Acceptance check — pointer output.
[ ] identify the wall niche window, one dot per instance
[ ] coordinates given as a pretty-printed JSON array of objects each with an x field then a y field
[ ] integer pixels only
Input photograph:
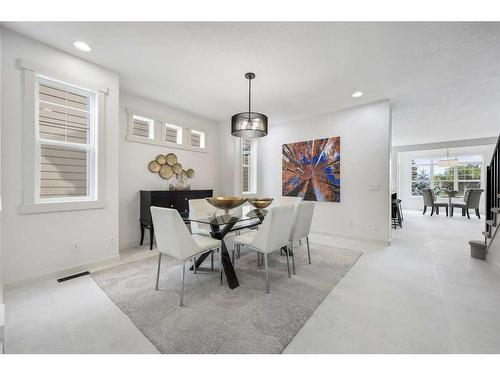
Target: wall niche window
[{"x": 153, "y": 129}]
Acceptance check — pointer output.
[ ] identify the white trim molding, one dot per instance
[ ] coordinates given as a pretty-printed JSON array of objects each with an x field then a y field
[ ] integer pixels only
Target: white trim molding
[
  {"x": 31, "y": 203},
  {"x": 37, "y": 208}
]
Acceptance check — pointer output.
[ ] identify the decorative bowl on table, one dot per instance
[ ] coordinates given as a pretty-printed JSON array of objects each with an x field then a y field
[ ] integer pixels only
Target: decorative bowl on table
[
  {"x": 226, "y": 203},
  {"x": 260, "y": 203}
]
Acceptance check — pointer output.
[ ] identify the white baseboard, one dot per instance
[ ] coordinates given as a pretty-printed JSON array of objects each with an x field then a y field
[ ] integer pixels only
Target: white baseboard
[{"x": 61, "y": 273}]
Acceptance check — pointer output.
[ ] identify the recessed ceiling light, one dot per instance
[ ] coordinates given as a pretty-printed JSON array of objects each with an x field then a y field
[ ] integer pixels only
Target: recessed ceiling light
[
  {"x": 357, "y": 94},
  {"x": 82, "y": 46}
]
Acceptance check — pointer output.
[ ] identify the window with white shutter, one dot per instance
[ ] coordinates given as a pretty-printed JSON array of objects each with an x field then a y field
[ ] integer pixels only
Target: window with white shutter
[
  {"x": 65, "y": 141},
  {"x": 248, "y": 166},
  {"x": 197, "y": 139},
  {"x": 143, "y": 127},
  {"x": 173, "y": 134}
]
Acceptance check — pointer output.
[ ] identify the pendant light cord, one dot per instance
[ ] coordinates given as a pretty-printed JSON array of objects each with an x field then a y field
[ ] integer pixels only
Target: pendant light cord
[{"x": 249, "y": 96}]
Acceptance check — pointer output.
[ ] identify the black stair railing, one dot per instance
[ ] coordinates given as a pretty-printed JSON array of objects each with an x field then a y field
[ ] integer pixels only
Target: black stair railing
[{"x": 492, "y": 182}]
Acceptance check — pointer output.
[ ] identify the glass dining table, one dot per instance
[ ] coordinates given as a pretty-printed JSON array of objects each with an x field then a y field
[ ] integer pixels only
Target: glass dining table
[{"x": 221, "y": 225}]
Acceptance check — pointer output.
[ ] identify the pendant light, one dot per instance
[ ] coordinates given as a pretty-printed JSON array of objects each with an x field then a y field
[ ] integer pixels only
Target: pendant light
[
  {"x": 446, "y": 163},
  {"x": 249, "y": 124}
]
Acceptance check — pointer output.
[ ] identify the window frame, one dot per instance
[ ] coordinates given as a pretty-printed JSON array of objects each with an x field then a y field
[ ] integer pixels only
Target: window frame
[
  {"x": 90, "y": 147},
  {"x": 160, "y": 124},
  {"x": 32, "y": 202},
  {"x": 252, "y": 166}
]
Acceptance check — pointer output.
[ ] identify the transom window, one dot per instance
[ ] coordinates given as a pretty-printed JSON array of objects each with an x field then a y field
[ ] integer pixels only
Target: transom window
[
  {"x": 426, "y": 173},
  {"x": 65, "y": 142}
]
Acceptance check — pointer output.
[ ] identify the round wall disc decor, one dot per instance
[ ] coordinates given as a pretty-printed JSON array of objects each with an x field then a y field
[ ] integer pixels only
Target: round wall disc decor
[
  {"x": 166, "y": 171},
  {"x": 184, "y": 175},
  {"x": 161, "y": 159},
  {"x": 190, "y": 172},
  {"x": 171, "y": 159},
  {"x": 177, "y": 168},
  {"x": 154, "y": 167}
]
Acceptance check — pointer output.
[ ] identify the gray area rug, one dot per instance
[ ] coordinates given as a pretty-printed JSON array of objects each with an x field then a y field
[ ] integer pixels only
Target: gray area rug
[{"x": 216, "y": 319}]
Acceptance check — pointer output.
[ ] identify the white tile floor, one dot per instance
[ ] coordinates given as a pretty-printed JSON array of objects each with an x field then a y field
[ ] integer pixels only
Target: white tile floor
[{"x": 423, "y": 294}]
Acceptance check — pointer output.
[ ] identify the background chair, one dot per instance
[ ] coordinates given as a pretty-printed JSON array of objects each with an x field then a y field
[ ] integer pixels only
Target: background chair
[
  {"x": 285, "y": 201},
  {"x": 471, "y": 200},
  {"x": 174, "y": 239},
  {"x": 303, "y": 215},
  {"x": 430, "y": 201},
  {"x": 273, "y": 234}
]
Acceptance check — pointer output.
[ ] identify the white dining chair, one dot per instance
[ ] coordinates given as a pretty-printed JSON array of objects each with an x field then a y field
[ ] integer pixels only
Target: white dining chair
[
  {"x": 200, "y": 208},
  {"x": 173, "y": 238},
  {"x": 303, "y": 215},
  {"x": 286, "y": 201},
  {"x": 273, "y": 234}
]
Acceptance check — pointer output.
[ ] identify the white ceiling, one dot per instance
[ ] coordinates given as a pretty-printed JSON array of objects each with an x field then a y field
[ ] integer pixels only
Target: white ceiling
[{"x": 443, "y": 79}]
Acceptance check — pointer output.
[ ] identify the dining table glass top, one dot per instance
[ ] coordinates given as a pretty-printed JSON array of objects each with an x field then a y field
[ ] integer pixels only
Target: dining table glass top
[{"x": 245, "y": 214}]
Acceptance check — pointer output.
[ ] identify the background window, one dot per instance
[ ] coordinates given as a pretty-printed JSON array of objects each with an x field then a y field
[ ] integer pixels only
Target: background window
[
  {"x": 65, "y": 141},
  {"x": 173, "y": 134},
  {"x": 143, "y": 127},
  {"x": 444, "y": 180},
  {"x": 248, "y": 166},
  {"x": 426, "y": 173},
  {"x": 420, "y": 176},
  {"x": 197, "y": 139}
]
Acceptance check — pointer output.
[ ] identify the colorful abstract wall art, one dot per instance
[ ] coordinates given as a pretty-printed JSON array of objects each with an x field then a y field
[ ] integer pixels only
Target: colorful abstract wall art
[{"x": 311, "y": 170}]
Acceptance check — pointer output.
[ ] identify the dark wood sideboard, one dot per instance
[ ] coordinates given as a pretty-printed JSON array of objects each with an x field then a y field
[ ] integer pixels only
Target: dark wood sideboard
[{"x": 178, "y": 199}]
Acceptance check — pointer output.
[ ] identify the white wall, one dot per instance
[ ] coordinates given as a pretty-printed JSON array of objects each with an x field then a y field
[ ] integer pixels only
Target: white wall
[
  {"x": 365, "y": 151},
  {"x": 410, "y": 202},
  {"x": 134, "y": 158},
  {"x": 1, "y": 225},
  {"x": 39, "y": 244}
]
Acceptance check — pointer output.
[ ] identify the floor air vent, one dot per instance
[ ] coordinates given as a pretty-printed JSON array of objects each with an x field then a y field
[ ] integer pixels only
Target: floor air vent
[{"x": 66, "y": 278}]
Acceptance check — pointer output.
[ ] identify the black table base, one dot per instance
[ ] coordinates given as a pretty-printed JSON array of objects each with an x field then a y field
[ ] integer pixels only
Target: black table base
[{"x": 227, "y": 265}]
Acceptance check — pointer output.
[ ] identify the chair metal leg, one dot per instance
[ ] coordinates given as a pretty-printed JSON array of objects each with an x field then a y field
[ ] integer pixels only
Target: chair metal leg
[
  {"x": 158, "y": 273},
  {"x": 258, "y": 259},
  {"x": 477, "y": 213},
  {"x": 425, "y": 209},
  {"x": 293, "y": 258},
  {"x": 221, "y": 268},
  {"x": 308, "y": 252},
  {"x": 300, "y": 242},
  {"x": 232, "y": 255},
  {"x": 238, "y": 251},
  {"x": 212, "y": 261},
  {"x": 268, "y": 288},
  {"x": 182, "y": 283},
  {"x": 432, "y": 210},
  {"x": 194, "y": 264},
  {"x": 467, "y": 211},
  {"x": 288, "y": 263}
]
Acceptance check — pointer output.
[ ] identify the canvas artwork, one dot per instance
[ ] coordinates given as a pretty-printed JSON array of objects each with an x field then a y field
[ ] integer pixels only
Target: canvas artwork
[{"x": 311, "y": 170}]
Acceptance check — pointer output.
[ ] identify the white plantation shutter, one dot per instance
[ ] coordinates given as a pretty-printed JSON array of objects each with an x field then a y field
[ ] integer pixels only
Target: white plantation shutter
[
  {"x": 143, "y": 127},
  {"x": 65, "y": 140},
  {"x": 63, "y": 173},
  {"x": 197, "y": 139},
  {"x": 173, "y": 134}
]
